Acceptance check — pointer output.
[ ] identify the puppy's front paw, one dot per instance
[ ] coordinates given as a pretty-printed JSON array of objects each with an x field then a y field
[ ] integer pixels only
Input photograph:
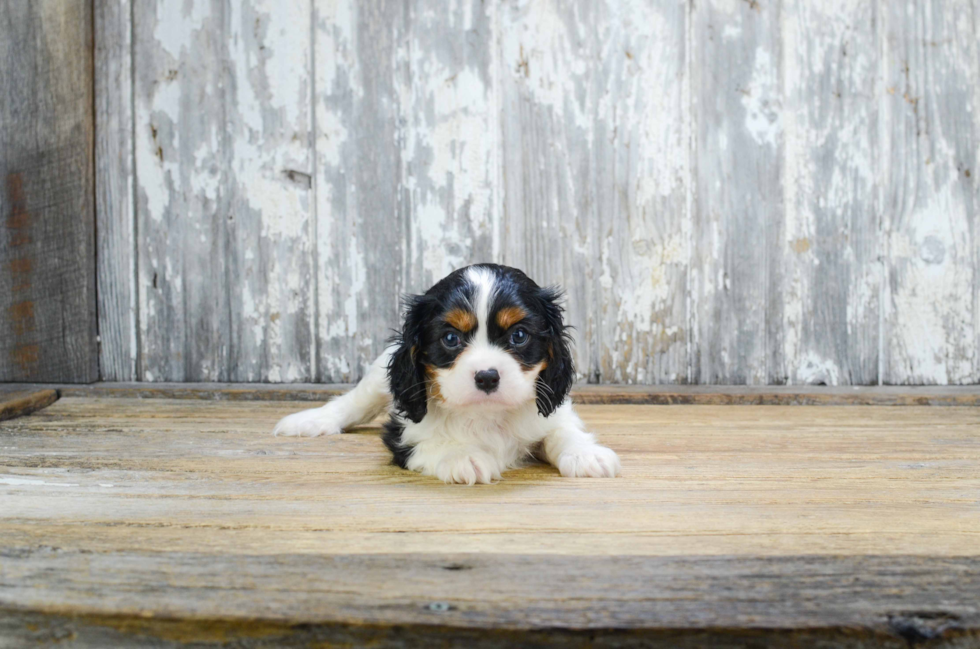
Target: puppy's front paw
[
  {"x": 468, "y": 470},
  {"x": 308, "y": 423},
  {"x": 591, "y": 461}
]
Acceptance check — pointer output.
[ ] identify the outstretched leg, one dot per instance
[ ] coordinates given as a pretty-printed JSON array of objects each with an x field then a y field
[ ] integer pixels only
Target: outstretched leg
[
  {"x": 575, "y": 452},
  {"x": 367, "y": 400}
]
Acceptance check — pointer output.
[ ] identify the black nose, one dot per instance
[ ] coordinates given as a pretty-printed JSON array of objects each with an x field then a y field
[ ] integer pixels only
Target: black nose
[{"x": 487, "y": 380}]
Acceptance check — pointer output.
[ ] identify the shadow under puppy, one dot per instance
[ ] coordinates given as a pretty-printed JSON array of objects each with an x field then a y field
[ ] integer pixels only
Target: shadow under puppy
[{"x": 477, "y": 382}]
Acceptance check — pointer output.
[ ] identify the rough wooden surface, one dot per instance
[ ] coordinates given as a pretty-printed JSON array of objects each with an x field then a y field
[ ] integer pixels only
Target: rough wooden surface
[
  {"x": 18, "y": 404},
  {"x": 581, "y": 393},
  {"x": 732, "y": 191},
  {"x": 114, "y": 179},
  {"x": 47, "y": 241},
  {"x": 224, "y": 199},
  {"x": 191, "y": 475},
  {"x": 828, "y": 276},
  {"x": 487, "y": 600},
  {"x": 139, "y": 521},
  {"x": 931, "y": 114}
]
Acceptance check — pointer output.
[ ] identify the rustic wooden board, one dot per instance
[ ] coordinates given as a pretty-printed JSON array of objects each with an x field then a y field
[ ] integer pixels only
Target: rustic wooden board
[
  {"x": 486, "y": 600},
  {"x": 595, "y": 155},
  {"x": 47, "y": 247},
  {"x": 931, "y": 110},
  {"x": 581, "y": 394},
  {"x": 18, "y": 404},
  {"x": 829, "y": 277},
  {"x": 732, "y": 191},
  {"x": 114, "y": 180},
  {"x": 223, "y": 148},
  {"x": 208, "y": 477},
  {"x": 737, "y": 227},
  {"x": 175, "y": 520}
]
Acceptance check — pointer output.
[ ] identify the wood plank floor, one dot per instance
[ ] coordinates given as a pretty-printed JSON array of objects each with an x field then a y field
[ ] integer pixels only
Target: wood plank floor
[{"x": 181, "y": 519}]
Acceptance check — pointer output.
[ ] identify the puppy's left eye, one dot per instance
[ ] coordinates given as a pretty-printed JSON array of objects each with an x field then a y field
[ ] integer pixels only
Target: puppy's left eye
[
  {"x": 519, "y": 337},
  {"x": 451, "y": 340}
]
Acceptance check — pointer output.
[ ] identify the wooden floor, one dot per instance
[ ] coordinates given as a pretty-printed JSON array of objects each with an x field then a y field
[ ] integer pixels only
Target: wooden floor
[{"x": 168, "y": 520}]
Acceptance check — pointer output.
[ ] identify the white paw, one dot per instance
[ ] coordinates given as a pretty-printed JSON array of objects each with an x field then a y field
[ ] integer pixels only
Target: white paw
[
  {"x": 591, "y": 461},
  {"x": 308, "y": 423},
  {"x": 468, "y": 470}
]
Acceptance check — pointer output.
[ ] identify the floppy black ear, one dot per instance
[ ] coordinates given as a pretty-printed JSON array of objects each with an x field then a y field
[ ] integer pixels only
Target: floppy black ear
[
  {"x": 555, "y": 381},
  {"x": 406, "y": 376}
]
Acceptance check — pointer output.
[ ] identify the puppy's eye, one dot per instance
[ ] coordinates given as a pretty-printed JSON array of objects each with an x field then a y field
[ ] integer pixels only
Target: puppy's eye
[
  {"x": 519, "y": 337},
  {"x": 451, "y": 340}
]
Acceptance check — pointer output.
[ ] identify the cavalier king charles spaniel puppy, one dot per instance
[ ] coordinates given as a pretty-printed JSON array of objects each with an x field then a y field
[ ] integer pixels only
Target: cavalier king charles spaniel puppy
[{"x": 476, "y": 382}]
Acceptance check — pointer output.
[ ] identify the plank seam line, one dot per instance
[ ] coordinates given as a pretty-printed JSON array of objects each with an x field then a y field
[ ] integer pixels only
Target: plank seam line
[
  {"x": 314, "y": 231},
  {"x": 136, "y": 320}
]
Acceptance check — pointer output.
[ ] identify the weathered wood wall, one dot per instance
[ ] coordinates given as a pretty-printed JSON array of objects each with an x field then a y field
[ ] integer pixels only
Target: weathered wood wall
[
  {"x": 47, "y": 237},
  {"x": 732, "y": 191}
]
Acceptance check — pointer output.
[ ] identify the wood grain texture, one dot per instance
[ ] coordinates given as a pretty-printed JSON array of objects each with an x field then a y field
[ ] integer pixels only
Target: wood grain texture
[
  {"x": 581, "y": 394},
  {"x": 486, "y": 600},
  {"x": 114, "y": 177},
  {"x": 595, "y": 175},
  {"x": 18, "y": 404},
  {"x": 47, "y": 247},
  {"x": 208, "y": 477},
  {"x": 931, "y": 111},
  {"x": 224, "y": 161},
  {"x": 829, "y": 277},
  {"x": 185, "y": 520},
  {"x": 732, "y": 192},
  {"x": 738, "y": 200},
  {"x": 361, "y": 52}
]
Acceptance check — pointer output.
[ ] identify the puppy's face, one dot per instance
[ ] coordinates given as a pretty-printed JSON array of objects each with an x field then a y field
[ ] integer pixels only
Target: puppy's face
[{"x": 484, "y": 338}]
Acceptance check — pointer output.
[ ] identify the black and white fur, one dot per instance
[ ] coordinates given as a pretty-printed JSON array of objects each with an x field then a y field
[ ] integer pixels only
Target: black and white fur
[{"x": 477, "y": 382}]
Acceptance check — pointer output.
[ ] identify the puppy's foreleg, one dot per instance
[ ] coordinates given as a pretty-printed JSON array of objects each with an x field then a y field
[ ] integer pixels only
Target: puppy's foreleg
[
  {"x": 454, "y": 463},
  {"x": 575, "y": 452},
  {"x": 367, "y": 400}
]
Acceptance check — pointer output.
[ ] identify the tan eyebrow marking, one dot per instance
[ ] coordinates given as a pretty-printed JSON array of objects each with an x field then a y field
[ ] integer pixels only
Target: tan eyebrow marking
[
  {"x": 461, "y": 319},
  {"x": 510, "y": 316}
]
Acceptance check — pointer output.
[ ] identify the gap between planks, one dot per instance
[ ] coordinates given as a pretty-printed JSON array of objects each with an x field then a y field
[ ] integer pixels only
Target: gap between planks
[{"x": 585, "y": 394}]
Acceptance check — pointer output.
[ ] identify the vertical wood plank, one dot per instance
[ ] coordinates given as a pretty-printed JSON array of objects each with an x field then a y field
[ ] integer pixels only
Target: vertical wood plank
[
  {"x": 595, "y": 170},
  {"x": 929, "y": 169},
  {"x": 115, "y": 218},
  {"x": 406, "y": 163},
  {"x": 361, "y": 82},
  {"x": 829, "y": 280},
  {"x": 451, "y": 132},
  {"x": 224, "y": 172},
  {"x": 641, "y": 149},
  {"x": 47, "y": 244},
  {"x": 738, "y": 205}
]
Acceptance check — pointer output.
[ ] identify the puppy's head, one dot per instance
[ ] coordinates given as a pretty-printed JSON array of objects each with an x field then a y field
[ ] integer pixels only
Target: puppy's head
[{"x": 486, "y": 337}]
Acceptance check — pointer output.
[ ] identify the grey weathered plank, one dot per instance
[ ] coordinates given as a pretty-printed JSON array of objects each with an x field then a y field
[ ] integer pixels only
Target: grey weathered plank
[
  {"x": 959, "y": 395},
  {"x": 931, "y": 112},
  {"x": 829, "y": 276},
  {"x": 406, "y": 163},
  {"x": 488, "y": 600},
  {"x": 18, "y": 404},
  {"x": 702, "y": 178},
  {"x": 47, "y": 248},
  {"x": 361, "y": 52},
  {"x": 224, "y": 161},
  {"x": 738, "y": 203},
  {"x": 114, "y": 177},
  {"x": 595, "y": 175}
]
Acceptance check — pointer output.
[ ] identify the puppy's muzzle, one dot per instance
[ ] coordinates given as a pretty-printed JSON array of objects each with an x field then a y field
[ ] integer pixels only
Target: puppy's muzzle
[{"x": 487, "y": 380}]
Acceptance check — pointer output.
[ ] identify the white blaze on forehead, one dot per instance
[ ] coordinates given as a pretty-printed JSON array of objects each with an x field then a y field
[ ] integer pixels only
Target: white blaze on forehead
[{"x": 484, "y": 284}]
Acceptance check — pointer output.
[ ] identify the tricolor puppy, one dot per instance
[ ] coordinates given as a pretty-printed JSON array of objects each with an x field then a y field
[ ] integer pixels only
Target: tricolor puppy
[{"x": 477, "y": 382}]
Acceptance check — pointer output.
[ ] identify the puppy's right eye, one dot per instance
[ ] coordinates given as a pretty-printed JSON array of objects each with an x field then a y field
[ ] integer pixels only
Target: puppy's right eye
[{"x": 451, "y": 340}]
